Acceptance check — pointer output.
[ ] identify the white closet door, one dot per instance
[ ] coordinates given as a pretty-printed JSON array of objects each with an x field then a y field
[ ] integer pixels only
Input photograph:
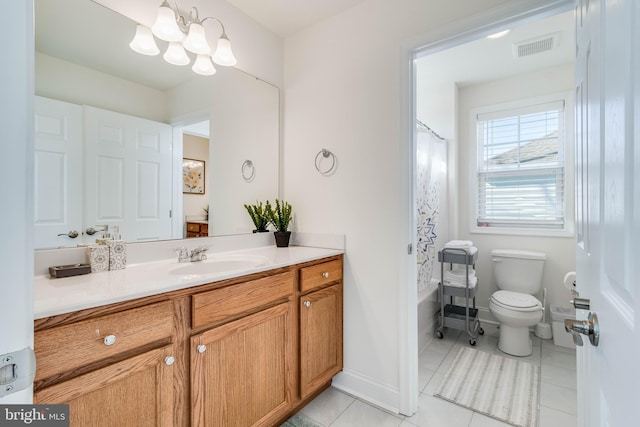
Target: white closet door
[
  {"x": 58, "y": 173},
  {"x": 128, "y": 179}
]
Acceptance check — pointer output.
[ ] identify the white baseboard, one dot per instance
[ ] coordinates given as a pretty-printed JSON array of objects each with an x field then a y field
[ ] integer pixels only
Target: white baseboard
[{"x": 382, "y": 395}]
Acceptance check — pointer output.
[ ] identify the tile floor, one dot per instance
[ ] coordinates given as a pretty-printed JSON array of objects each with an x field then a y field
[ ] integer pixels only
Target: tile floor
[{"x": 334, "y": 408}]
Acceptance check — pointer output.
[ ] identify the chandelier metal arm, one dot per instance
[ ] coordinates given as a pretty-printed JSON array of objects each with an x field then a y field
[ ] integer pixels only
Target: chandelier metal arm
[{"x": 224, "y": 33}]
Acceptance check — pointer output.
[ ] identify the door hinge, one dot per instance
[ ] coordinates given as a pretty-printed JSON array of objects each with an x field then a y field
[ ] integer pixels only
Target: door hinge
[
  {"x": 410, "y": 248},
  {"x": 170, "y": 213}
]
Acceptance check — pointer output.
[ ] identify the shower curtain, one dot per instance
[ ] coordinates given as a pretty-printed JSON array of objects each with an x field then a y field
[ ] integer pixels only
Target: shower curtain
[{"x": 432, "y": 204}]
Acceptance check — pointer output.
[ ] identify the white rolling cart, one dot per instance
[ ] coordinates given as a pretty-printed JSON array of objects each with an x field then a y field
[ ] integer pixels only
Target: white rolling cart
[{"x": 462, "y": 317}]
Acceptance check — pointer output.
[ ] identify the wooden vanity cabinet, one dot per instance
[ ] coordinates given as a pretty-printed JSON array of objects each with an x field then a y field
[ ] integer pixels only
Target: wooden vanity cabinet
[
  {"x": 242, "y": 371},
  {"x": 197, "y": 229},
  {"x": 320, "y": 327},
  {"x": 247, "y": 351},
  {"x": 136, "y": 390},
  {"x": 110, "y": 369}
]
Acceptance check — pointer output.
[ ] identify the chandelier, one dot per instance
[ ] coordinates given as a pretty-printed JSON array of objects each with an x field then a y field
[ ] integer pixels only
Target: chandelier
[{"x": 183, "y": 33}]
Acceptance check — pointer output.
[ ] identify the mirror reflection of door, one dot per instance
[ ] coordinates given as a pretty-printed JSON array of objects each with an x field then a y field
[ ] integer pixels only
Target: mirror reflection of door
[{"x": 58, "y": 173}]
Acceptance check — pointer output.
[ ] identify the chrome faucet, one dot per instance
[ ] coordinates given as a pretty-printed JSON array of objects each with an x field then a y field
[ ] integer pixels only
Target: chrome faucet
[
  {"x": 183, "y": 254},
  {"x": 199, "y": 254}
]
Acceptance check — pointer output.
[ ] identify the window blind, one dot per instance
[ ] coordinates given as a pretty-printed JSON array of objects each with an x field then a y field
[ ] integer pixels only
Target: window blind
[{"x": 520, "y": 169}]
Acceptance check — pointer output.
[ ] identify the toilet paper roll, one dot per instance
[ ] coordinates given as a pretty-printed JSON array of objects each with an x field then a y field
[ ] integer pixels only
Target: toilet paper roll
[{"x": 570, "y": 280}]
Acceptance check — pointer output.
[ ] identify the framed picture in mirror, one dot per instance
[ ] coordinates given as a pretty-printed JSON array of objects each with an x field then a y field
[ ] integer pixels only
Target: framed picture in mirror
[{"x": 193, "y": 179}]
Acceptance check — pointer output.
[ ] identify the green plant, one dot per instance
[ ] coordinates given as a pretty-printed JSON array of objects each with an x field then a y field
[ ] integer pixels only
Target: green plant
[
  {"x": 258, "y": 214},
  {"x": 281, "y": 216}
]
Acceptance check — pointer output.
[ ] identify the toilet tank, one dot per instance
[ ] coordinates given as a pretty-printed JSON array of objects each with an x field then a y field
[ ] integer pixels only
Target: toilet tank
[{"x": 518, "y": 271}]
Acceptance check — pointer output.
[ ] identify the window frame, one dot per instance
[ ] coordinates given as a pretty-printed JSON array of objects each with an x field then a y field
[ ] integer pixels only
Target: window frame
[{"x": 568, "y": 202}]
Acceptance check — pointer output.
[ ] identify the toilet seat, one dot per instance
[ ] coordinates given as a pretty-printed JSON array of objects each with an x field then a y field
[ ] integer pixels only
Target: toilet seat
[{"x": 516, "y": 301}]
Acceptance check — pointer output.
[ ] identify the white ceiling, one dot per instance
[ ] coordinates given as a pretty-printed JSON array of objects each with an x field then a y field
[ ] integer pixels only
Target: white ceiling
[
  {"x": 490, "y": 59},
  {"x": 286, "y": 17}
]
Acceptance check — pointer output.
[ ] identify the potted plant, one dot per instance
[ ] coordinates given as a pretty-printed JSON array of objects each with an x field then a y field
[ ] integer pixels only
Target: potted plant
[
  {"x": 280, "y": 217},
  {"x": 259, "y": 217}
]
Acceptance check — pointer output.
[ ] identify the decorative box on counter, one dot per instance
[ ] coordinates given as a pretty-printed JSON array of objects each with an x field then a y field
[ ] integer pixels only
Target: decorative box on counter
[
  {"x": 117, "y": 254},
  {"x": 107, "y": 255},
  {"x": 98, "y": 256},
  {"x": 69, "y": 270}
]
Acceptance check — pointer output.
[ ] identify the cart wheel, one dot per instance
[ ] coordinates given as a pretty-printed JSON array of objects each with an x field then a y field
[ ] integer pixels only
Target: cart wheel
[
  {"x": 439, "y": 334},
  {"x": 481, "y": 331},
  {"x": 472, "y": 342}
]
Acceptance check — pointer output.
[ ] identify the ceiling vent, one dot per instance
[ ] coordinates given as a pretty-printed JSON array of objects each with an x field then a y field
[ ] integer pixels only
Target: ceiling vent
[{"x": 537, "y": 45}]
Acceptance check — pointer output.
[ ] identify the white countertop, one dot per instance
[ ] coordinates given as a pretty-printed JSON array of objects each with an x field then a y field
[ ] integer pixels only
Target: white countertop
[{"x": 58, "y": 296}]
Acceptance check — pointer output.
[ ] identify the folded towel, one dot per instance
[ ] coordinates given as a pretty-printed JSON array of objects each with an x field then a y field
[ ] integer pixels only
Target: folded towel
[
  {"x": 459, "y": 273},
  {"x": 473, "y": 281},
  {"x": 459, "y": 244},
  {"x": 469, "y": 250}
]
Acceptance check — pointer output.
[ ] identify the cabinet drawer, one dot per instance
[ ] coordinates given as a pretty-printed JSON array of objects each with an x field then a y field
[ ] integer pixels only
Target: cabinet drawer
[
  {"x": 191, "y": 226},
  {"x": 219, "y": 304},
  {"x": 64, "y": 348},
  {"x": 320, "y": 275},
  {"x": 204, "y": 229}
]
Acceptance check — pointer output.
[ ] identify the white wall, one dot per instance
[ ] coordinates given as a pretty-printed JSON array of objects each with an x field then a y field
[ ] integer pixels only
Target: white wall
[
  {"x": 244, "y": 125},
  {"x": 343, "y": 92},
  {"x": 66, "y": 81},
  {"x": 560, "y": 250}
]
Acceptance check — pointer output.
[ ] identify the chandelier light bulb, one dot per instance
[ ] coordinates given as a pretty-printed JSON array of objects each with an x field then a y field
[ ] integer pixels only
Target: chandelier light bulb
[
  {"x": 196, "y": 40},
  {"x": 184, "y": 33},
  {"x": 203, "y": 66},
  {"x": 224, "y": 55},
  {"x": 143, "y": 42},
  {"x": 176, "y": 54},
  {"x": 166, "y": 27}
]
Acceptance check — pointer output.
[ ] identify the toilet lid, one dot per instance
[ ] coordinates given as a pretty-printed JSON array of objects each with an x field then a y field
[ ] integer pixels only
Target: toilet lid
[{"x": 516, "y": 300}]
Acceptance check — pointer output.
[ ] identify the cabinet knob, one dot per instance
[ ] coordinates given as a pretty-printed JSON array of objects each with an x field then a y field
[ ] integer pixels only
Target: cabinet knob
[
  {"x": 169, "y": 360},
  {"x": 325, "y": 274},
  {"x": 110, "y": 340},
  {"x": 201, "y": 348},
  {"x": 307, "y": 304}
]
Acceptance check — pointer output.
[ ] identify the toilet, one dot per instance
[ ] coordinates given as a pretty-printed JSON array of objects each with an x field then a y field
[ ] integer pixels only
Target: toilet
[{"x": 518, "y": 277}]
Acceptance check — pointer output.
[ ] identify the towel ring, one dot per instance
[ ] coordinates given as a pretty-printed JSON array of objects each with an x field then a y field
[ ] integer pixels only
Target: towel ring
[
  {"x": 248, "y": 170},
  {"x": 326, "y": 154}
]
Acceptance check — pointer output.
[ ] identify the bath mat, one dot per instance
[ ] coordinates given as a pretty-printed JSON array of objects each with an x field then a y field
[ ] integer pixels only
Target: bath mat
[
  {"x": 299, "y": 421},
  {"x": 496, "y": 386}
]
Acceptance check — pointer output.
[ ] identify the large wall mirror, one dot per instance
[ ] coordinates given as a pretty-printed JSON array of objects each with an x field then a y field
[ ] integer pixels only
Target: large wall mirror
[{"x": 99, "y": 105}]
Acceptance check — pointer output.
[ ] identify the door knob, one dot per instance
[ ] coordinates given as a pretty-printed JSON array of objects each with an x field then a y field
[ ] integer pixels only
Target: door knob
[
  {"x": 589, "y": 328},
  {"x": 72, "y": 234},
  {"x": 91, "y": 231},
  {"x": 581, "y": 303}
]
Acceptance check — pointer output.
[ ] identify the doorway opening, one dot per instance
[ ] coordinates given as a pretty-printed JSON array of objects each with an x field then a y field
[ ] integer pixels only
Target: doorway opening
[{"x": 442, "y": 91}]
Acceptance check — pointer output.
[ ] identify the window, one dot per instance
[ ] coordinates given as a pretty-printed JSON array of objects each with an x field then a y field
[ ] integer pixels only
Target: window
[{"x": 520, "y": 170}]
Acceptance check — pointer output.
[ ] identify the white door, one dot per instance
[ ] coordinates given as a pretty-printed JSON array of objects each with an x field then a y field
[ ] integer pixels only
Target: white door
[
  {"x": 608, "y": 208},
  {"x": 128, "y": 174},
  {"x": 58, "y": 173}
]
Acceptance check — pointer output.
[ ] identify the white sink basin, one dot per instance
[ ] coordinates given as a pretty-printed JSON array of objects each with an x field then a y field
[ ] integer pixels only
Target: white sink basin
[{"x": 221, "y": 264}]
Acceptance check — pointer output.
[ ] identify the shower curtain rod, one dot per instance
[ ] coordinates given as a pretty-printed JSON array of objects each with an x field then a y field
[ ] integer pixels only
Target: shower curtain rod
[{"x": 433, "y": 132}]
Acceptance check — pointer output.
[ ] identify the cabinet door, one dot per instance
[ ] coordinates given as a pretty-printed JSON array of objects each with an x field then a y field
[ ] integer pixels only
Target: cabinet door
[
  {"x": 137, "y": 391},
  {"x": 242, "y": 371},
  {"x": 320, "y": 338}
]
